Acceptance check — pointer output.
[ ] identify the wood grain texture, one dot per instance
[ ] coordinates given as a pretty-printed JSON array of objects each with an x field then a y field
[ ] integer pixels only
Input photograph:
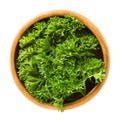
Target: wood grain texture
[{"x": 87, "y": 23}]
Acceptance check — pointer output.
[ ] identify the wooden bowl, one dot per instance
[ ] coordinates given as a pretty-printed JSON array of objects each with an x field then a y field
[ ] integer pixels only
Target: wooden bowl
[{"x": 87, "y": 23}]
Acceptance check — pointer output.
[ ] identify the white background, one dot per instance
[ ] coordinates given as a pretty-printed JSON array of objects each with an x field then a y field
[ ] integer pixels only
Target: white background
[{"x": 104, "y": 14}]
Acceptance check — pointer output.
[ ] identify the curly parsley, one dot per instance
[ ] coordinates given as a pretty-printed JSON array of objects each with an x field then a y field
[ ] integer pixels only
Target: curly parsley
[{"x": 56, "y": 60}]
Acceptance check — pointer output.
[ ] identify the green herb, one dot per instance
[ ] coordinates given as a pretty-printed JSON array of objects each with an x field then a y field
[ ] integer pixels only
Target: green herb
[{"x": 56, "y": 58}]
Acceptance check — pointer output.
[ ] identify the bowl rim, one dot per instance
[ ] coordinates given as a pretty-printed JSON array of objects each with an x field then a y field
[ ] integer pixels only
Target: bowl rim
[{"x": 87, "y": 23}]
